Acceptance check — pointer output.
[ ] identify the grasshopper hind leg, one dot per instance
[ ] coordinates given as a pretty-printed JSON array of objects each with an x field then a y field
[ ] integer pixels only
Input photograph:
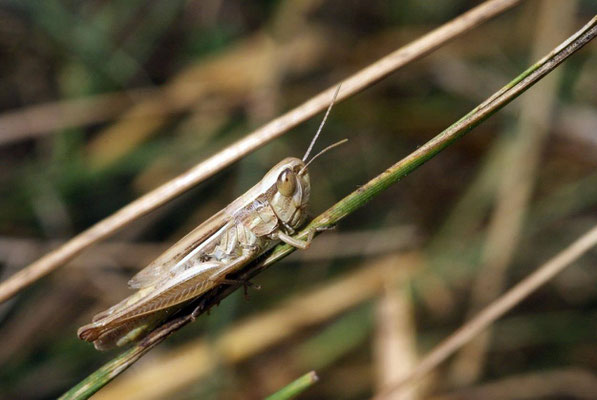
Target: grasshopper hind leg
[{"x": 129, "y": 332}]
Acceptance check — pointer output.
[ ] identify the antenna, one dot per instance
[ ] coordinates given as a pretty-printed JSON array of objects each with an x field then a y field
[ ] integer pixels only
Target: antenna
[
  {"x": 325, "y": 117},
  {"x": 331, "y": 146}
]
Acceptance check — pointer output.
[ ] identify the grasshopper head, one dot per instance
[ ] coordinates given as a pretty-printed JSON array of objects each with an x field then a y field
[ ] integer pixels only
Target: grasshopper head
[
  {"x": 288, "y": 183},
  {"x": 289, "y": 188}
]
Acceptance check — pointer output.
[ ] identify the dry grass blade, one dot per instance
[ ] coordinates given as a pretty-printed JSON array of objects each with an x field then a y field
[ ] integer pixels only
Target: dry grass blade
[
  {"x": 394, "y": 345},
  {"x": 251, "y": 142},
  {"x": 40, "y": 119},
  {"x": 515, "y": 184},
  {"x": 362, "y": 196},
  {"x": 495, "y": 310}
]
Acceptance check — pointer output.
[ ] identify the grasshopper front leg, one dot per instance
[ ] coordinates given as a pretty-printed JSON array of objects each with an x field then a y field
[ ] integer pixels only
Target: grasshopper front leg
[
  {"x": 302, "y": 244},
  {"x": 298, "y": 243}
]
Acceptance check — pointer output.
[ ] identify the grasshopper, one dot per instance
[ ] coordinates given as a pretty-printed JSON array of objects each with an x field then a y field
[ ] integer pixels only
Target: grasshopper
[{"x": 267, "y": 214}]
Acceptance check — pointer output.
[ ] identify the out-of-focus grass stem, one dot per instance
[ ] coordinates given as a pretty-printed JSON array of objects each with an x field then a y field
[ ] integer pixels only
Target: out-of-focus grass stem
[{"x": 295, "y": 388}]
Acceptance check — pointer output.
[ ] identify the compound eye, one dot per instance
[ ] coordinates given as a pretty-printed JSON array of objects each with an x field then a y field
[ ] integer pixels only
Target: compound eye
[{"x": 286, "y": 183}]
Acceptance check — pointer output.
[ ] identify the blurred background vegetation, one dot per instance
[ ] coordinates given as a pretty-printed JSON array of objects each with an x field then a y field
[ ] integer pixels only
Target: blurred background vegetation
[{"x": 103, "y": 101}]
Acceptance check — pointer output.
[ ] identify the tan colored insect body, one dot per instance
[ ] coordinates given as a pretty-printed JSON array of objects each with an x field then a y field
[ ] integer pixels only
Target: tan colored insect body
[
  {"x": 268, "y": 213},
  {"x": 264, "y": 216}
]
